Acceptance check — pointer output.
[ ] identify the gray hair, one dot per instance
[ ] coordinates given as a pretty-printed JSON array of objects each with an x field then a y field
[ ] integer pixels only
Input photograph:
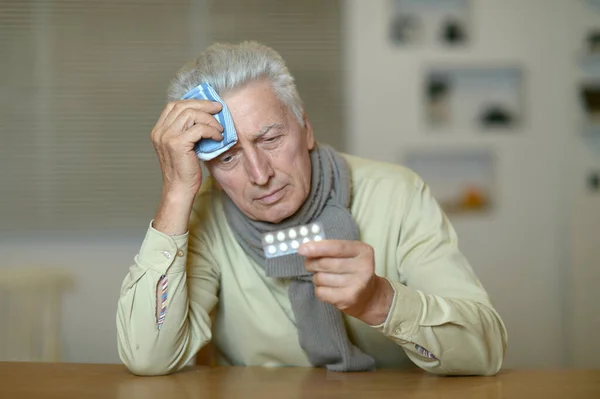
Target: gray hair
[{"x": 227, "y": 67}]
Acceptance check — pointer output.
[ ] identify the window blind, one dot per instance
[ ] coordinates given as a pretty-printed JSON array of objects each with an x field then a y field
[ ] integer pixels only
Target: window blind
[{"x": 82, "y": 83}]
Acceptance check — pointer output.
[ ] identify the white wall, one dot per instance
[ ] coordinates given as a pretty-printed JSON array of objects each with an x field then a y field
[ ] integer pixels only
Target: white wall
[
  {"x": 520, "y": 250},
  {"x": 98, "y": 264},
  {"x": 583, "y": 255}
]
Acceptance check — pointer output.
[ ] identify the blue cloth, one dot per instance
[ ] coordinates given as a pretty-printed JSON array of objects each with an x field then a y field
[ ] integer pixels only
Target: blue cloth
[{"x": 207, "y": 149}]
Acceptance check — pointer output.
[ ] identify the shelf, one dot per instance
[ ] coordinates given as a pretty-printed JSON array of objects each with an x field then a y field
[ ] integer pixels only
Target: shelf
[
  {"x": 487, "y": 98},
  {"x": 461, "y": 180},
  {"x": 444, "y": 22}
]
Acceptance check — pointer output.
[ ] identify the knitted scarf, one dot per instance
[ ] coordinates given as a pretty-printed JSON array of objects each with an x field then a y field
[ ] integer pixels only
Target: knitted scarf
[{"x": 321, "y": 330}]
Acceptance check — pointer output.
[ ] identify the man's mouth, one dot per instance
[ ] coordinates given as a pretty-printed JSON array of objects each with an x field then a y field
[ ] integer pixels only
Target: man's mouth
[{"x": 272, "y": 196}]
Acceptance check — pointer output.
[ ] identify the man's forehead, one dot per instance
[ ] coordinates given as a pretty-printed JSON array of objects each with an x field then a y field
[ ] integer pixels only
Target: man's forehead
[
  {"x": 254, "y": 98},
  {"x": 256, "y": 110},
  {"x": 261, "y": 130},
  {"x": 271, "y": 126}
]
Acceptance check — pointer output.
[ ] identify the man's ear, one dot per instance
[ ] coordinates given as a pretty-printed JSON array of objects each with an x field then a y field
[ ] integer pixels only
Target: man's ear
[{"x": 308, "y": 130}]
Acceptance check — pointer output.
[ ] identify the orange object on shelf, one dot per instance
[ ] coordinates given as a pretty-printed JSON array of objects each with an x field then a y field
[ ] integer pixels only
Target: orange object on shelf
[{"x": 474, "y": 198}]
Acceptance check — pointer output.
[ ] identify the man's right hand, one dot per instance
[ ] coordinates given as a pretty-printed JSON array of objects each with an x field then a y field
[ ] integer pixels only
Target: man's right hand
[{"x": 180, "y": 126}]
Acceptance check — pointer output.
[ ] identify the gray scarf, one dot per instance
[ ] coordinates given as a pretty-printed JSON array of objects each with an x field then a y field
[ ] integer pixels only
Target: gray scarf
[{"x": 321, "y": 330}]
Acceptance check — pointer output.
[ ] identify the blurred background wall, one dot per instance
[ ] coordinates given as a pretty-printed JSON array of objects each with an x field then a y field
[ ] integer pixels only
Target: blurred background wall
[{"x": 83, "y": 82}]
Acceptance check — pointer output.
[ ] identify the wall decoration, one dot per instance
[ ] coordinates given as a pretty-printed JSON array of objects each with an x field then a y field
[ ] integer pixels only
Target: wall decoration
[
  {"x": 460, "y": 180},
  {"x": 593, "y": 4},
  {"x": 430, "y": 21},
  {"x": 588, "y": 88},
  {"x": 588, "y": 91},
  {"x": 592, "y": 42},
  {"x": 485, "y": 98},
  {"x": 406, "y": 29},
  {"x": 438, "y": 100},
  {"x": 590, "y": 99},
  {"x": 593, "y": 181}
]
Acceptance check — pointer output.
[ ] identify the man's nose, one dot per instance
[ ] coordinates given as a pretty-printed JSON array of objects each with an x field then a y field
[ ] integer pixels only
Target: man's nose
[{"x": 258, "y": 167}]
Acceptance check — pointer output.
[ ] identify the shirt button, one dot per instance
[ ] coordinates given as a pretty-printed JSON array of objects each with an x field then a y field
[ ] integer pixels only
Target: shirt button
[
  {"x": 180, "y": 253},
  {"x": 397, "y": 331},
  {"x": 167, "y": 254}
]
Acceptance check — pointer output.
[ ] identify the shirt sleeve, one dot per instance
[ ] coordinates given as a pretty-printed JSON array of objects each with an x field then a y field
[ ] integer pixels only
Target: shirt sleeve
[
  {"x": 159, "y": 328},
  {"x": 441, "y": 315}
]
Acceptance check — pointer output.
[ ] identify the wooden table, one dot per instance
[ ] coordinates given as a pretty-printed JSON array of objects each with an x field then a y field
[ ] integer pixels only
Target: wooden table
[{"x": 66, "y": 381}]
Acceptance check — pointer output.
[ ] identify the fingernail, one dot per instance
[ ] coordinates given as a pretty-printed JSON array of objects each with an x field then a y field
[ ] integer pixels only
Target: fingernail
[{"x": 302, "y": 249}]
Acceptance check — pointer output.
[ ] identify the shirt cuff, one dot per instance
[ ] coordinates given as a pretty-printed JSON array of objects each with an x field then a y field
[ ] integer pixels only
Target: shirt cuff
[
  {"x": 402, "y": 321},
  {"x": 161, "y": 252}
]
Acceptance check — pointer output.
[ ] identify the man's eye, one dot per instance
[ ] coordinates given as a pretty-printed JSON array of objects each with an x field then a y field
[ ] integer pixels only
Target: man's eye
[
  {"x": 271, "y": 139},
  {"x": 227, "y": 159}
]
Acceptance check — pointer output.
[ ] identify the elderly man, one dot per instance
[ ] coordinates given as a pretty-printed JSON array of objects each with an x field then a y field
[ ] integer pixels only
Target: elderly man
[{"x": 388, "y": 287}]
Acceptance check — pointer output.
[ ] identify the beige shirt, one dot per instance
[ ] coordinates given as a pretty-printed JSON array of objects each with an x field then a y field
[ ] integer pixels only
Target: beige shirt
[{"x": 441, "y": 318}]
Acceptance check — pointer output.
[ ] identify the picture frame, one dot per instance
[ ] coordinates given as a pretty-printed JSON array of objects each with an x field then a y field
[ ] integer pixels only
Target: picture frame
[{"x": 485, "y": 98}]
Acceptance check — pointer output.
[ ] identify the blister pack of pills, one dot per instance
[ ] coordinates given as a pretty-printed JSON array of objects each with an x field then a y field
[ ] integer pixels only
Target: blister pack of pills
[{"x": 287, "y": 241}]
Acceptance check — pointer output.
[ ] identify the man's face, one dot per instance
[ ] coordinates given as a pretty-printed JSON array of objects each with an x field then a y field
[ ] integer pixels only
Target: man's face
[{"x": 267, "y": 173}]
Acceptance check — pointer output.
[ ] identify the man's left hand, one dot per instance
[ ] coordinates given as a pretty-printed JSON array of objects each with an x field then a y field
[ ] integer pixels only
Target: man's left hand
[{"x": 344, "y": 275}]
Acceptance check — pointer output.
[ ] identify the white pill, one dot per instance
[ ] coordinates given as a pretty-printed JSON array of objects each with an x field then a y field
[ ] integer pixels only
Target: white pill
[
  {"x": 269, "y": 238},
  {"x": 283, "y": 247},
  {"x": 281, "y": 236},
  {"x": 295, "y": 244},
  {"x": 303, "y": 231},
  {"x": 292, "y": 233},
  {"x": 305, "y": 240},
  {"x": 272, "y": 249},
  {"x": 317, "y": 238},
  {"x": 315, "y": 228}
]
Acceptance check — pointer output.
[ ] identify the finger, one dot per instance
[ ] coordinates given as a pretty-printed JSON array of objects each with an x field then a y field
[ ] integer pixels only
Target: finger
[
  {"x": 191, "y": 117},
  {"x": 201, "y": 131},
  {"x": 331, "y": 249},
  {"x": 328, "y": 265},
  {"x": 323, "y": 279},
  {"x": 328, "y": 294},
  {"x": 164, "y": 113},
  {"x": 158, "y": 127},
  {"x": 209, "y": 107}
]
